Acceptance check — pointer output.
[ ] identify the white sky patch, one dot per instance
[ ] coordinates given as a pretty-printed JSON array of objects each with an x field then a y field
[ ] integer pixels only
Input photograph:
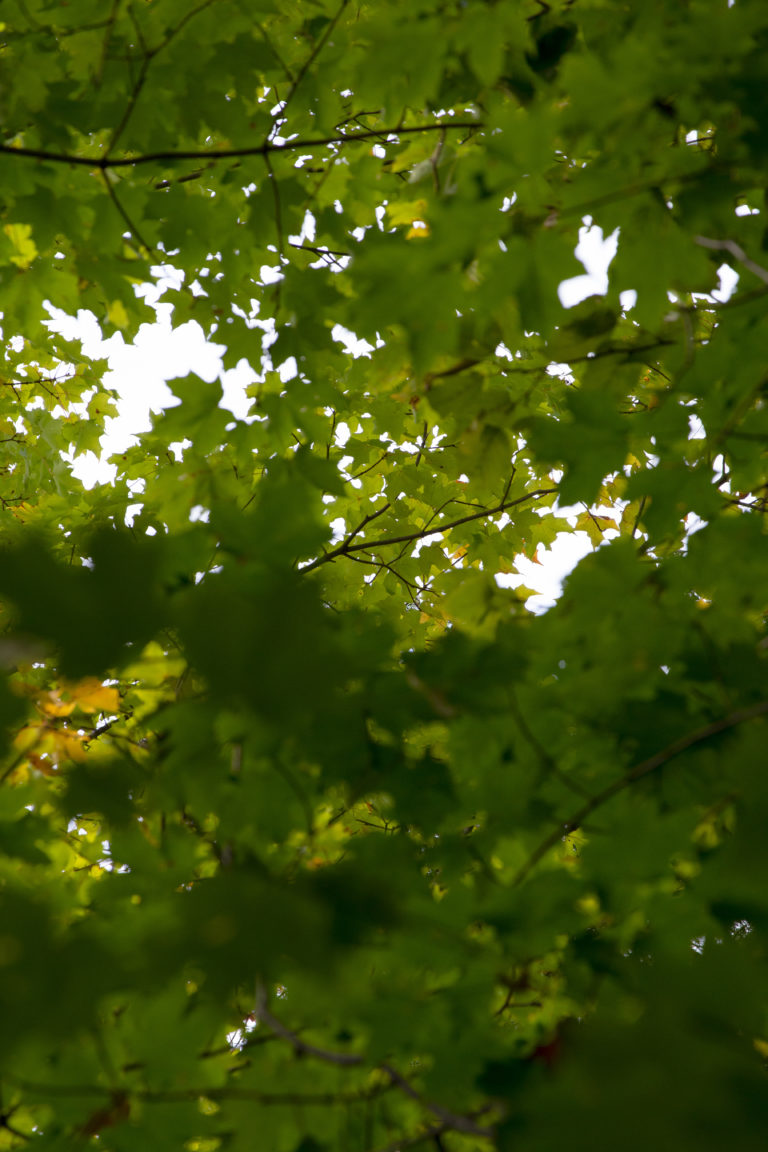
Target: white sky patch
[
  {"x": 595, "y": 251},
  {"x": 140, "y": 373},
  {"x": 728, "y": 280},
  {"x": 546, "y": 573},
  {"x": 696, "y": 430},
  {"x": 351, "y": 343}
]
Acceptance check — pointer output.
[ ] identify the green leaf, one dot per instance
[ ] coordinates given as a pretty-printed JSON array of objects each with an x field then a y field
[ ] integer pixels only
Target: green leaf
[{"x": 309, "y": 828}]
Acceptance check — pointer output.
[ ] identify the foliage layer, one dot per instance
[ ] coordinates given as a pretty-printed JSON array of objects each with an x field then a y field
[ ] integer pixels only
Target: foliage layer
[{"x": 313, "y": 836}]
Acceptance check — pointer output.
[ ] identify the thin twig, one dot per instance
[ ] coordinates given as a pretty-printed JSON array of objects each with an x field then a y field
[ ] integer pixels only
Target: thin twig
[
  {"x": 547, "y": 760},
  {"x": 184, "y": 20},
  {"x": 278, "y": 207},
  {"x": 380, "y": 565},
  {"x": 135, "y": 91},
  {"x": 267, "y": 40},
  {"x": 451, "y": 1120},
  {"x": 638, "y": 518},
  {"x": 366, "y": 520},
  {"x": 737, "y": 252},
  {"x": 17, "y": 762},
  {"x": 149, "y": 56},
  {"x": 99, "y": 74},
  {"x": 370, "y": 467},
  {"x": 125, "y": 217},
  {"x": 331, "y": 254},
  {"x": 587, "y": 207},
  {"x": 422, "y": 442},
  {"x": 186, "y": 178},
  {"x": 262, "y": 1013},
  {"x": 434, "y": 161},
  {"x": 316, "y": 50}
]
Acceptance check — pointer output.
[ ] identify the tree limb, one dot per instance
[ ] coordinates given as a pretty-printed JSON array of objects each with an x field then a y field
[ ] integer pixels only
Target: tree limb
[
  {"x": 644, "y": 768},
  {"x": 451, "y": 1121},
  {"x": 431, "y": 530},
  {"x": 171, "y": 156},
  {"x": 737, "y": 252}
]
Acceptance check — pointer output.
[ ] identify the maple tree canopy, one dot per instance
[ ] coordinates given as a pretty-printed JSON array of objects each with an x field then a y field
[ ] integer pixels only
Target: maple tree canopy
[{"x": 313, "y": 837}]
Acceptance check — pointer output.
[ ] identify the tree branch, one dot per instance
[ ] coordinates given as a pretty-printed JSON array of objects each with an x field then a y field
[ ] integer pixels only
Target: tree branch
[
  {"x": 644, "y": 768},
  {"x": 431, "y": 530},
  {"x": 125, "y": 217},
  {"x": 180, "y": 1095},
  {"x": 316, "y": 50},
  {"x": 262, "y": 1013},
  {"x": 422, "y": 443},
  {"x": 171, "y": 156},
  {"x": 130, "y": 107},
  {"x": 451, "y": 1121},
  {"x": 737, "y": 252},
  {"x": 434, "y": 1132}
]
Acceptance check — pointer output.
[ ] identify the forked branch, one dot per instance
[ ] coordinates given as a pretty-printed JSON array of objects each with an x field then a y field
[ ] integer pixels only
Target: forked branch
[
  {"x": 347, "y": 546},
  {"x": 450, "y": 1121}
]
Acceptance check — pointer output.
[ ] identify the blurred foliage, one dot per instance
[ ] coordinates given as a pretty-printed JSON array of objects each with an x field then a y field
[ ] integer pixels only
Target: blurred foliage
[{"x": 311, "y": 833}]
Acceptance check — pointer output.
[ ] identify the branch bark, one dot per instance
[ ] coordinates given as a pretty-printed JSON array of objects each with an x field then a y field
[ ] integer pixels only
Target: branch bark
[
  {"x": 213, "y": 154},
  {"x": 644, "y": 768},
  {"x": 347, "y": 547},
  {"x": 450, "y": 1121},
  {"x": 737, "y": 252}
]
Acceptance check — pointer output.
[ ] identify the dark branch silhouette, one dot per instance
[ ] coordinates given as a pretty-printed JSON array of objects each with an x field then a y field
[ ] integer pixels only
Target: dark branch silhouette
[
  {"x": 171, "y": 156},
  {"x": 346, "y": 547},
  {"x": 644, "y": 768}
]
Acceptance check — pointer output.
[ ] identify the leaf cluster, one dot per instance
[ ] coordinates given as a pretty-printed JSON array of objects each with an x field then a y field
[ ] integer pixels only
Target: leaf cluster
[{"x": 311, "y": 832}]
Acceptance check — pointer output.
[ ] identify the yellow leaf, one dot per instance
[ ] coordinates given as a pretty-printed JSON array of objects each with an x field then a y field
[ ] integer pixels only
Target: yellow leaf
[
  {"x": 521, "y": 592},
  {"x": 418, "y": 230},
  {"x": 41, "y": 765},
  {"x": 417, "y": 155},
  {"x": 406, "y": 211},
  {"x": 92, "y": 696},
  {"x": 53, "y": 705},
  {"x": 27, "y": 737},
  {"x": 89, "y": 695},
  {"x": 67, "y": 746},
  {"x": 20, "y": 237},
  {"x": 117, "y": 314},
  {"x": 594, "y": 526}
]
